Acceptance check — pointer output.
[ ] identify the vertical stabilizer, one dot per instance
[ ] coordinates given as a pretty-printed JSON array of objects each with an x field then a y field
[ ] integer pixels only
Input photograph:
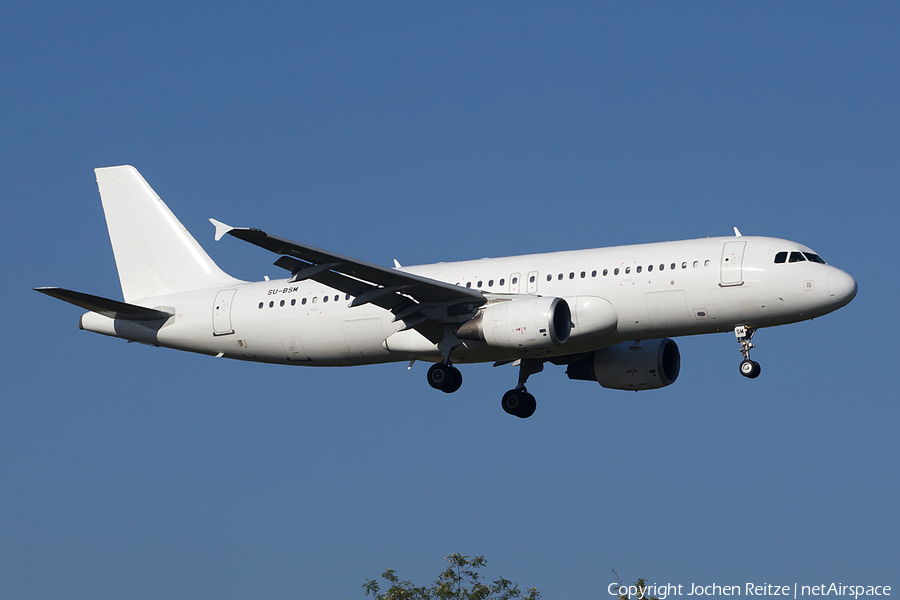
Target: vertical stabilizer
[{"x": 154, "y": 253}]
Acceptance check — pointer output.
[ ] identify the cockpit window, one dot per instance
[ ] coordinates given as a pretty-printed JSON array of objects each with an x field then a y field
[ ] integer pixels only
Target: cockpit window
[
  {"x": 780, "y": 257},
  {"x": 796, "y": 257},
  {"x": 814, "y": 258}
]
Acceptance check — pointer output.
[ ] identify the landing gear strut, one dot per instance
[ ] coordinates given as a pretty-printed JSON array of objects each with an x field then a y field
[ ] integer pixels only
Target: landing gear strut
[
  {"x": 749, "y": 368},
  {"x": 444, "y": 377},
  {"x": 517, "y": 401}
]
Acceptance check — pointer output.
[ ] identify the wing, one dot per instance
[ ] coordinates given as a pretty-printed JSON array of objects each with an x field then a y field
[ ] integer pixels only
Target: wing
[{"x": 420, "y": 302}]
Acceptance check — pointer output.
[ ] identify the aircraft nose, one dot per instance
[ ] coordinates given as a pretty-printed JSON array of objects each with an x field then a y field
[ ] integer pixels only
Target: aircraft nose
[{"x": 842, "y": 287}]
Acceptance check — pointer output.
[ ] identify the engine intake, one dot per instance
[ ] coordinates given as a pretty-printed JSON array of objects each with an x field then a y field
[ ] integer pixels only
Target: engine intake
[
  {"x": 529, "y": 323},
  {"x": 646, "y": 365}
]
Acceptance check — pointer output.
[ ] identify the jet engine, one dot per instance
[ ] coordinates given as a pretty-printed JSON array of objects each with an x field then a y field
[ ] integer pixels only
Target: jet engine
[
  {"x": 529, "y": 323},
  {"x": 644, "y": 365}
]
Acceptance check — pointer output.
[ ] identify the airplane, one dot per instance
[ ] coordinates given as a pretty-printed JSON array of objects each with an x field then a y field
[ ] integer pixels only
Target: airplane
[{"x": 607, "y": 314}]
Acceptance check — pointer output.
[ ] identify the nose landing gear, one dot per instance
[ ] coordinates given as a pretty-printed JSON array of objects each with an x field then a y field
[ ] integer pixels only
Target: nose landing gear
[{"x": 749, "y": 368}]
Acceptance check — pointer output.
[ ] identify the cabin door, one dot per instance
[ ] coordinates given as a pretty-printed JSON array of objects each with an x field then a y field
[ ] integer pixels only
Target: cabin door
[
  {"x": 732, "y": 258},
  {"x": 222, "y": 313}
]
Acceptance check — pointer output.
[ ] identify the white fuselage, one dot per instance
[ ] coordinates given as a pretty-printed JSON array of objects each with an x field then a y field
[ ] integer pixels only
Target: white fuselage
[{"x": 655, "y": 290}]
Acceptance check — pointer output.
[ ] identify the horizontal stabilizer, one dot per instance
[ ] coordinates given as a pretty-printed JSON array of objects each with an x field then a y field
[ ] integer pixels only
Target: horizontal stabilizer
[{"x": 104, "y": 306}]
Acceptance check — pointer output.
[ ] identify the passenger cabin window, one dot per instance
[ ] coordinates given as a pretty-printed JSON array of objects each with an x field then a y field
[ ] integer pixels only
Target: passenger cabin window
[
  {"x": 638, "y": 270},
  {"x": 672, "y": 266},
  {"x": 571, "y": 275},
  {"x": 649, "y": 268},
  {"x": 559, "y": 276},
  {"x": 593, "y": 273},
  {"x": 293, "y": 302},
  {"x": 324, "y": 298},
  {"x": 605, "y": 272},
  {"x": 616, "y": 271},
  {"x": 479, "y": 284},
  {"x": 549, "y": 277},
  {"x": 683, "y": 265},
  {"x": 796, "y": 257},
  {"x": 490, "y": 283},
  {"x": 260, "y": 304},
  {"x": 582, "y": 274},
  {"x": 502, "y": 281},
  {"x": 303, "y": 301},
  {"x": 468, "y": 284},
  {"x": 271, "y": 304},
  {"x": 281, "y": 303},
  {"x": 706, "y": 263},
  {"x": 662, "y": 267},
  {"x": 627, "y": 270},
  {"x": 696, "y": 264},
  {"x": 515, "y": 280}
]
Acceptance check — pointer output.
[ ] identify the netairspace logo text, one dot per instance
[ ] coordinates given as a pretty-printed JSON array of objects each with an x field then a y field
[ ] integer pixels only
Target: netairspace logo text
[{"x": 664, "y": 590}]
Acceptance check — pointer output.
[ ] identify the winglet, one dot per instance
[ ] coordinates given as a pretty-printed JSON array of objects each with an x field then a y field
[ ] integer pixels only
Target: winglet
[
  {"x": 221, "y": 228},
  {"x": 736, "y": 233}
]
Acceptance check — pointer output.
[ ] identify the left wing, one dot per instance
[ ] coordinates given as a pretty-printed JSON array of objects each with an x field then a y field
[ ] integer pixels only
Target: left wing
[{"x": 420, "y": 302}]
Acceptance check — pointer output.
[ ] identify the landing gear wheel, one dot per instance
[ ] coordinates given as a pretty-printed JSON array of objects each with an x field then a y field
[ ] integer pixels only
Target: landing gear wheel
[
  {"x": 455, "y": 381},
  {"x": 528, "y": 408},
  {"x": 512, "y": 400},
  {"x": 750, "y": 369},
  {"x": 444, "y": 377},
  {"x": 519, "y": 403},
  {"x": 438, "y": 375}
]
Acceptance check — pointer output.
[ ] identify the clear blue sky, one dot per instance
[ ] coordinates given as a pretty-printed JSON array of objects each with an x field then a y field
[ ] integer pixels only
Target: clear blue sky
[{"x": 428, "y": 132}]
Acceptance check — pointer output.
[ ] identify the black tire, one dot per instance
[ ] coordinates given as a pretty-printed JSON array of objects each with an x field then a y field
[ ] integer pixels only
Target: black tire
[
  {"x": 512, "y": 402},
  {"x": 746, "y": 368},
  {"x": 528, "y": 407},
  {"x": 756, "y": 370},
  {"x": 439, "y": 375},
  {"x": 453, "y": 382},
  {"x": 750, "y": 369}
]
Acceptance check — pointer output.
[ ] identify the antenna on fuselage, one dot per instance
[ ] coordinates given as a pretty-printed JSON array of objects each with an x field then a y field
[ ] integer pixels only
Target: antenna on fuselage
[{"x": 737, "y": 233}]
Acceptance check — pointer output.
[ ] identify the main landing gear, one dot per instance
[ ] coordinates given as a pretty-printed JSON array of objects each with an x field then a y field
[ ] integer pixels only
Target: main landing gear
[
  {"x": 749, "y": 368},
  {"x": 444, "y": 377},
  {"x": 517, "y": 401}
]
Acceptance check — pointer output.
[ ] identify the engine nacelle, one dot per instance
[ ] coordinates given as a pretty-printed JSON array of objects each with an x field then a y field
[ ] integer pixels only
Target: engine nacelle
[
  {"x": 645, "y": 365},
  {"x": 529, "y": 323}
]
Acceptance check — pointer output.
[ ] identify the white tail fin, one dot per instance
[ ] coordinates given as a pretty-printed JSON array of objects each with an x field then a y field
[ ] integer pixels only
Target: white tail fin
[{"x": 154, "y": 253}]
